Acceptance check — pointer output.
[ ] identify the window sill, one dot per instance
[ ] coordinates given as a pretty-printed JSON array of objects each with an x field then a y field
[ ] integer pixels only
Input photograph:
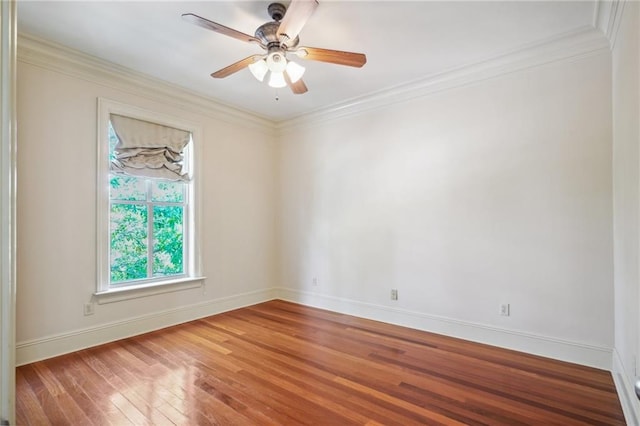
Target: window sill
[{"x": 145, "y": 290}]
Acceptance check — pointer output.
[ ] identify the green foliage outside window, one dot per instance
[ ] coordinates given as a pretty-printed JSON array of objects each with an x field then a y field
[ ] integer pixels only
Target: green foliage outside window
[
  {"x": 128, "y": 242},
  {"x": 167, "y": 240}
]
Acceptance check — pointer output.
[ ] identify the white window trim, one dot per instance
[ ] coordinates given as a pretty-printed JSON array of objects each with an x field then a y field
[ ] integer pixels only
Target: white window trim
[
  {"x": 193, "y": 278},
  {"x": 148, "y": 289}
]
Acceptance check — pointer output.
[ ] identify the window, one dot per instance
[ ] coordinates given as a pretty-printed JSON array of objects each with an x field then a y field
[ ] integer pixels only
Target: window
[
  {"x": 147, "y": 223},
  {"x": 146, "y": 227}
]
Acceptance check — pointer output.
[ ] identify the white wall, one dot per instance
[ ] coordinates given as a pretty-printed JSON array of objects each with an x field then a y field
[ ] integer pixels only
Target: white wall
[
  {"x": 626, "y": 141},
  {"x": 498, "y": 192},
  {"x": 57, "y": 217}
]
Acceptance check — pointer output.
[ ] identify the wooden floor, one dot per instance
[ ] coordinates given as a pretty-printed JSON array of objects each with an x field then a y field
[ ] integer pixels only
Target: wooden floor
[{"x": 278, "y": 363}]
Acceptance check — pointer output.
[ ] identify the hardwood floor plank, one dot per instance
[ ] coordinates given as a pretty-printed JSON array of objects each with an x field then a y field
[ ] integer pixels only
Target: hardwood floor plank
[
  {"x": 558, "y": 398},
  {"x": 60, "y": 368},
  {"x": 430, "y": 416},
  {"x": 304, "y": 371},
  {"x": 95, "y": 387},
  {"x": 29, "y": 411},
  {"x": 46, "y": 399},
  {"x": 278, "y": 363}
]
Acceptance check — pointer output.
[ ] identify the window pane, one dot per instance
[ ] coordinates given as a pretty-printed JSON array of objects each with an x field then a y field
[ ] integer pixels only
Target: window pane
[
  {"x": 127, "y": 188},
  {"x": 165, "y": 191},
  {"x": 128, "y": 242},
  {"x": 168, "y": 241}
]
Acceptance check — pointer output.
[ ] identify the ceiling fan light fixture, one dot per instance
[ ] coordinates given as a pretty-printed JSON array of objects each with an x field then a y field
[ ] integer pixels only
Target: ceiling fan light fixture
[
  {"x": 295, "y": 71},
  {"x": 276, "y": 80},
  {"x": 276, "y": 62},
  {"x": 259, "y": 69}
]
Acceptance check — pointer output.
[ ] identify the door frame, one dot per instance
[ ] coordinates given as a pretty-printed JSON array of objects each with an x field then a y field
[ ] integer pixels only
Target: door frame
[{"x": 8, "y": 42}]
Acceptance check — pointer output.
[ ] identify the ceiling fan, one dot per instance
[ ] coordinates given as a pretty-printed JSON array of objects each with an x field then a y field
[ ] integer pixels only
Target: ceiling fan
[{"x": 279, "y": 38}]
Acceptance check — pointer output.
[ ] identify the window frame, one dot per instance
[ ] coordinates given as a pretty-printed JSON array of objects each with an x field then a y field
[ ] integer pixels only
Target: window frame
[{"x": 191, "y": 278}]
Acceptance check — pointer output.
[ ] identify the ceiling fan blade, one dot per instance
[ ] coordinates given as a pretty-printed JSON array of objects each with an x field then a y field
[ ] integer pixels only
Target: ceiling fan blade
[
  {"x": 227, "y": 71},
  {"x": 333, "y": 56},
  {"x": 298, "y": 12},
  {"x": 214, "y": 26},
  {"x": 298, "y": 87}
]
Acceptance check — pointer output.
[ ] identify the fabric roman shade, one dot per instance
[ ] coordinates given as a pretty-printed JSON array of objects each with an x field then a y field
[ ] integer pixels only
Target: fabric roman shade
[{"x": 148, "y": 149}]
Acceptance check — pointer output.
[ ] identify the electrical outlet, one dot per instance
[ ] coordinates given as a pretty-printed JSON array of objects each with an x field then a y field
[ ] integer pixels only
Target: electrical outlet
[
  {"x": 394, "y": 294},
  {"x": 314, "y": 281},
  {"x": 504, "y": 310},
  {"x": 89, "y": 309}
]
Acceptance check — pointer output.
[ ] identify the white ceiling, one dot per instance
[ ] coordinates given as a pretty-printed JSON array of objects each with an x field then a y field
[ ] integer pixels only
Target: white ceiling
[{"x": 403, "y": 41}]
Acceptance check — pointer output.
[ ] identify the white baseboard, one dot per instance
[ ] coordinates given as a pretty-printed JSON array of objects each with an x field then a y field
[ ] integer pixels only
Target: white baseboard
[
  {"x": 589, "y": 355},
  {"x": 51, "y": 346},
  {"x": 626, "y": 394}
]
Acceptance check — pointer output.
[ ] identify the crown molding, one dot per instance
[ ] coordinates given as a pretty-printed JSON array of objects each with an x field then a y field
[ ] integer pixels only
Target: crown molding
[
  {"x": 578, "y": 44},
  {"x": 607, "y": 18},
  {"x": 55, "y": 57},
  {"x": 586, "y": 41}
]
